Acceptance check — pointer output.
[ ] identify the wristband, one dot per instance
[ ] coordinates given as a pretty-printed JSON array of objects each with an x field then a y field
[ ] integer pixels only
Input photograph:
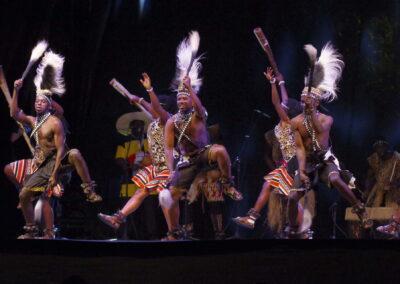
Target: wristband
[
  {"x": 281, "y": 82},
  {"x": 149, "y": 90},
  {"x": 272, "y": 81}
]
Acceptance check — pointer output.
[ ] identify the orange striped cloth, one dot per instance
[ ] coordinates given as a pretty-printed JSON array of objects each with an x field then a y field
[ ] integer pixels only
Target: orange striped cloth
[
  {"x": 152, "y": 178},
  {"x": 280, "y": 179},
  {"x": 22, "y": 168}
]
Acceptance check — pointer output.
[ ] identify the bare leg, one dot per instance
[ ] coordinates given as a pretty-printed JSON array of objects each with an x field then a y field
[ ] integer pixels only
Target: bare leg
[
  {"x": 220, "y": 155},
  {"x": 254, "y": 213},
  {"x": 358, "y": 207},
  {"x": 115, "y": 221},
  {"x": 216, "y": 220},
  {"x": 343, "y": 188},
  {"x": 167, "y": 217},
  {"x": 174, "y": 210},
  {"x": 134, "y": 202},
  {"x": 219, "y": 222},
  {"x": 293, "y": 208},
  {"x": 25, "y": 198},
  {"x": 47, "y": 212},
  {"x": 76, "y": 159},
  {"x": 263, "y": 197}
]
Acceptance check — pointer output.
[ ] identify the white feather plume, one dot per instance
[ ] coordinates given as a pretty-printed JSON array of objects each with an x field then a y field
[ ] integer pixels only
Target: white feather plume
[
  {"x": 38, "y": 50},
  {"x": 332, "y": 64},
  {"x": 311, "y": 51},
  {"x": 187, "y": 63},
  {"x": 49, "y": 74}
]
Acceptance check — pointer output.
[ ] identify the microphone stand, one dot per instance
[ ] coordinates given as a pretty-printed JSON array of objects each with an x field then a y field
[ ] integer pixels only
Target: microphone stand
[{"x": 333, "y": 210}]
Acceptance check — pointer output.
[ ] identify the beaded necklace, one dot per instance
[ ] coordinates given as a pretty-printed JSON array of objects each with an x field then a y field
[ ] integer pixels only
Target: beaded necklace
[
  {"x": 311, "y": 131},
  {"x": 38, "y": 123},
  {"x": 184, "y": 118}
]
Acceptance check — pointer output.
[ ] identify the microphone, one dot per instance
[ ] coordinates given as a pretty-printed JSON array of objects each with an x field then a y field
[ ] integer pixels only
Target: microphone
[{"x": 261, "y": 113}]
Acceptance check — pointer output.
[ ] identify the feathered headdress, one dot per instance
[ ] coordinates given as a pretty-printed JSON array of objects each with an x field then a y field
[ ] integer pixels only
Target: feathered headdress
[
  {"x": 321, "y": 81},
  {"x": 48, "y": 79},
  {"x": 187, "y": 64}
]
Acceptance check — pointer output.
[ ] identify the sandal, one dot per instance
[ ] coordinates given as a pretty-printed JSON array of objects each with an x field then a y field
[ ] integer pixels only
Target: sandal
[
  {"x": 248, "y": 221},
  {"x": 31, "y": 232},
  {"x": 174, "y": 235},
  {"x": 114, "y": 221},
  {"x": 89, "y": 190},
  {"x": 229, "y": 189},
  {"x": 359, "y": 210},
  {"x": 49, "y": 234},
  {"x": 392, "y": 229}
]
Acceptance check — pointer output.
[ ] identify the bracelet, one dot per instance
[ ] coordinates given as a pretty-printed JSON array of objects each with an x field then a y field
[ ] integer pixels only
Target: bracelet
[
  {"x": 140, "y": 101},
  {"x": 149, "y": 90},
  {"x": 272, "y": 81},
  {"x": 281, "y": 82}
]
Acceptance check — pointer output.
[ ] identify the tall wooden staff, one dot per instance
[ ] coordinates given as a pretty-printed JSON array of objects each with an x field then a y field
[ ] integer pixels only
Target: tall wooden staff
[
  {"x": 123, "y": 91},
  {"x": 265, "y": 45},
  {"x": 6, "y": 92}
]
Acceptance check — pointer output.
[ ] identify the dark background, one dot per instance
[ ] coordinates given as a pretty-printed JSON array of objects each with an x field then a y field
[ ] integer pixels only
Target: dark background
[{"x": 105, "y": 39}]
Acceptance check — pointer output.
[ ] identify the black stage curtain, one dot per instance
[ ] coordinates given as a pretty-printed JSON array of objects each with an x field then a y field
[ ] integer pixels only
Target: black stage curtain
[{"x": 105, "y": 39}]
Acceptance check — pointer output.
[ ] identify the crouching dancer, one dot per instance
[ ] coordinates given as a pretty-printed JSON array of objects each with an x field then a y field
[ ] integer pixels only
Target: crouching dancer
[
  {"x": 312, "y": 135},
  {"x": 187, "y": 130},
  {"x": 52, "y": 158},
  {"x": 153, "y": 177}
]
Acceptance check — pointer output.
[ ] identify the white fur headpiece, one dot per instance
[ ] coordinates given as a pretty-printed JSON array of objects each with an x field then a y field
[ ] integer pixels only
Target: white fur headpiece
[
  {"x": 187, "y": 64},
  {"x": 48, "y": 79},
  {"x": 321, "y": 82}
]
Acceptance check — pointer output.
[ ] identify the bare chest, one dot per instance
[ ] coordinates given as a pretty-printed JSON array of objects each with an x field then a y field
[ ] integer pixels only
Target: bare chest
[{"x": 46, "y": 132}]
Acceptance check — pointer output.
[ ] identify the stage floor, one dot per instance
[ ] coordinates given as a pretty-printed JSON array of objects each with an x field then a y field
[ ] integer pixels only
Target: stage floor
[{"x": 234, "y": 261}]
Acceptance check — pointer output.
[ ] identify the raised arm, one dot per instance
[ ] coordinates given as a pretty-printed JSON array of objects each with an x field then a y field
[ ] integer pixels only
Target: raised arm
[
  {"x": 169, "y": 140},
  {"x": 281, "y": 83},
  {"x": 155, "y": 103},
  {"x": 15, "y": 111},
  {"x": 135, "y": 99},
  {"x": 58, "y": 108},
  {"x": 198, "y": 107},
  {"x": 275, "y": 96},
  {"x": 59, "y": 141},
  {"x": 300, "y": 153}
]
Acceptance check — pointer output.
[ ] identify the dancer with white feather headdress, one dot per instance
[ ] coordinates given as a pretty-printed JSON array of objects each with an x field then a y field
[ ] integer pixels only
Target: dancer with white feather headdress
[
  {"x": 187, "y": 131},
  {"x": 312, "y": 137},
  {"x": 52, "y": 158}
]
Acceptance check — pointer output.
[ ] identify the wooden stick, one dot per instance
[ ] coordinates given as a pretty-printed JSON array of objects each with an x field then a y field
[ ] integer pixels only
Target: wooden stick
[
  {"x": 6, "y": 92},
  {"x": 266, "y": 47},
  {"x": 123, "y": 91},
  {"x": 394, "y": 166}
]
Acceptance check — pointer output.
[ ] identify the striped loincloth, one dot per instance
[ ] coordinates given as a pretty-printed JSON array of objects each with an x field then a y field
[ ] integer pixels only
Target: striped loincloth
[
  {"x": 25, "y": 167},
  {"x": 280, "y": 179},
  {"x": 152, "y": 178}
]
